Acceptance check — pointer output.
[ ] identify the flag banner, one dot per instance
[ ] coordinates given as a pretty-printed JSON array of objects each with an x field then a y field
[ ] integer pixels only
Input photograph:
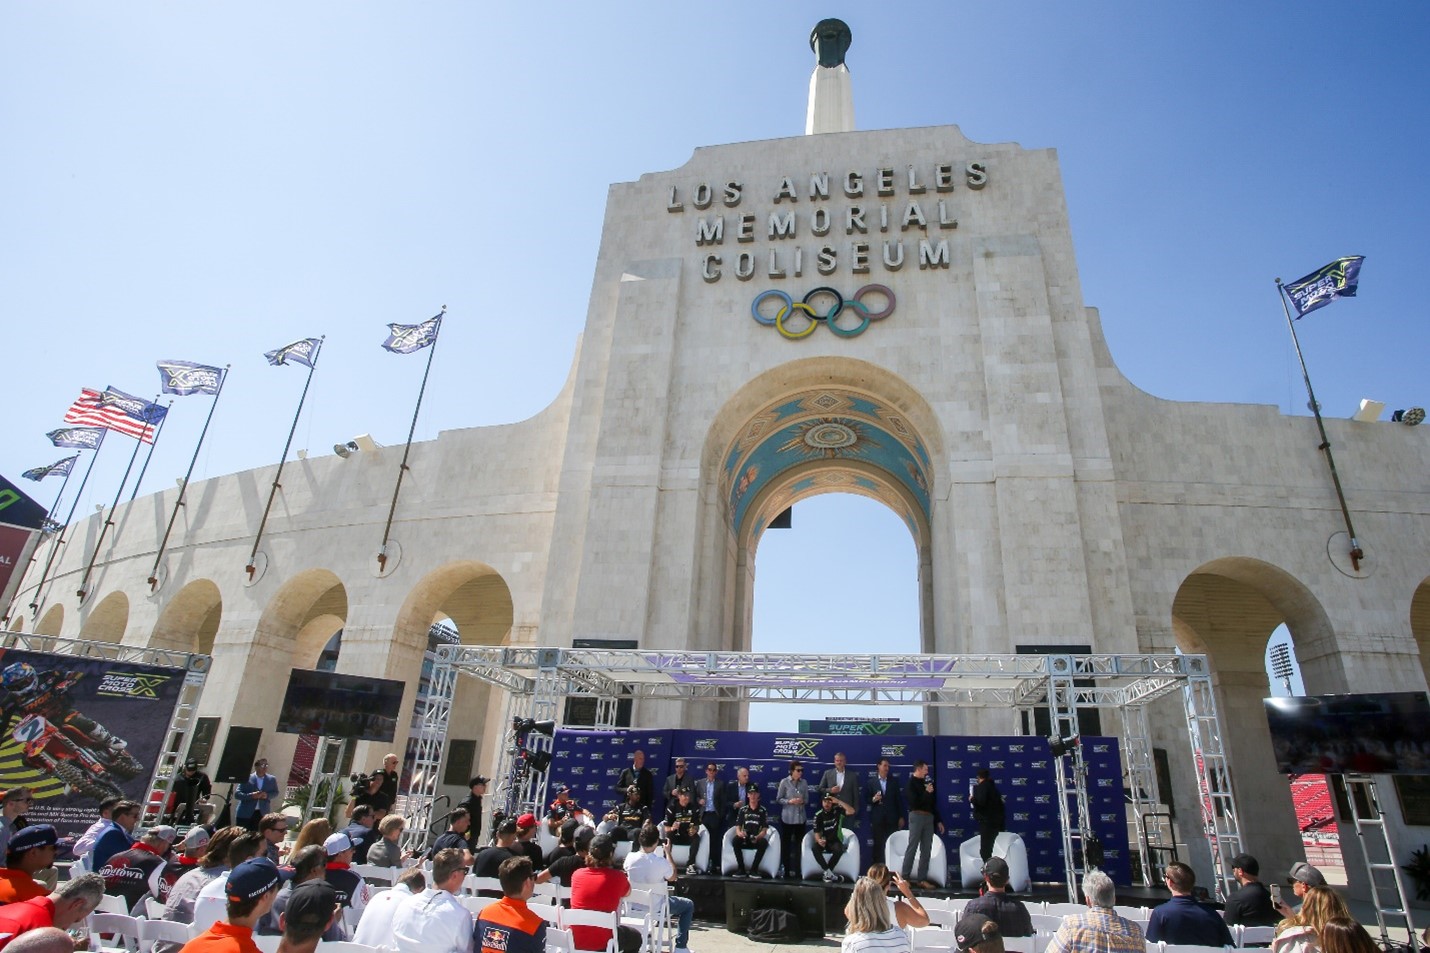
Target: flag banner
[
  {"x": 116, "y": 410},
  {"x": 304, "y": 351},
  {"x": 79, "y": 438},
  {"x": 1339, "y": 279},
  {"x": 186, "y": 377},
  {"x": 406, "y": 338},
  {"x": 59, "y": 468}
]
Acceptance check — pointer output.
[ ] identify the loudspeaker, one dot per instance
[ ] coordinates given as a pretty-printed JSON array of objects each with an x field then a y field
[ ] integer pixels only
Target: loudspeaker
[{"x": 240, "y": 750}]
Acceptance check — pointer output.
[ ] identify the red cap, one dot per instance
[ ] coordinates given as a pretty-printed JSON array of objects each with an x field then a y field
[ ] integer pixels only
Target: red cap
[{"x": 526, "y": 821}]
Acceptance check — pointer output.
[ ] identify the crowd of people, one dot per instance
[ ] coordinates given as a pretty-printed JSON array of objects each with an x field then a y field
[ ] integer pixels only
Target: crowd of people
[{"x": 228, "y": 884}]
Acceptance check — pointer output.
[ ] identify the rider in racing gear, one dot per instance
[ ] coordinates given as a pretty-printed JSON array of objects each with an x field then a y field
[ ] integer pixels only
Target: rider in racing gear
[{"x": 28, "y": 692}]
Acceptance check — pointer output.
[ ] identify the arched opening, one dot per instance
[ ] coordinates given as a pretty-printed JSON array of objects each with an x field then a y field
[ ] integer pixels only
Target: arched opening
[
  {"x": 467, "y": 602},
  {"x": 842, "y": 579},
  {"x": 1229, "y": 609},
  {"x": 107, "y": 620},
  {"x": 52, "y": 621},
  {"x": 191, "y": 619},
  {"x": 1420, "y": 624}
]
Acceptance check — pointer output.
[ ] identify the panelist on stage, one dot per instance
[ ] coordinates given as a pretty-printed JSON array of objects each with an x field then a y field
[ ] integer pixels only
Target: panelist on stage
[
  {"x": 626, "y": 819},
  {"x": 639, "y": 775},
  {"x": 886, "y": 807},
  {"x": 752, "y": 832},
  {"x": 793, "y": 796},
  {"x": 680, "y": 779},
  {"x": 713, "y": 799},
  {"x": 738, "y": 794},
  {"x": 987, "y": 812},
  {"x": 682, "y": 827},
  {"x": 843, "y": 784}
]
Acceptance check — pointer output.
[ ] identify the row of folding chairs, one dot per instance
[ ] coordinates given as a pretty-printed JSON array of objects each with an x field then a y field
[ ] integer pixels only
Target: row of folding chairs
[
  {"x": 645, "y": 911},
  {"x": 937, "y": 939}
]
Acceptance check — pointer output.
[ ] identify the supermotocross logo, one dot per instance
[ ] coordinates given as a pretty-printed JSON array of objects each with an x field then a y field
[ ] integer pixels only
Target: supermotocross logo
[
  {"x": 124, "y": 685},
  {"x": 705, "y": 744},
  {"x": 795, "y": 748},
  {"x": 892, "y": 751}
]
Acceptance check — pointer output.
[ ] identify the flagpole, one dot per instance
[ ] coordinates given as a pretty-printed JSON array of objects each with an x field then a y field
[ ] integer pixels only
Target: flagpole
[
  {"x": 401, "y": 470},
  {"x": 287, "y": 445},
  {"x": 109, "y": 519},
  {"x": 35, "y": 553},
  {"x": 60, "y": 539},
  {"x": 183, "y": 487},
  {"x": 1356, "y": 553},
  {"x": 150, "y": 455}
]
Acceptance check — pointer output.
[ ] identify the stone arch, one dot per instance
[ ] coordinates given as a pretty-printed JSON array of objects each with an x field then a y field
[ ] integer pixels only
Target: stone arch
[
  {"x": 808, "y": 427},
  {"x": 1420, "y": 624},
  {"x": 107, "y": 620},
  {"x": 52, "y": 621},
  {"x": 1228, "y": 609},
  {"x": 191, "y": 619}
]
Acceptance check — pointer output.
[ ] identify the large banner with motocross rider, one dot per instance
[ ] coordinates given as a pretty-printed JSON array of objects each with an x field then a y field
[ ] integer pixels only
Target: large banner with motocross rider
[{"x": 78, "y": 730}]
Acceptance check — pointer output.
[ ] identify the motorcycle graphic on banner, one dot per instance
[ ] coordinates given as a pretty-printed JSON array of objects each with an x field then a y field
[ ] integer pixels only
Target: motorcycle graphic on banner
[{"x": 78, "y": 730}]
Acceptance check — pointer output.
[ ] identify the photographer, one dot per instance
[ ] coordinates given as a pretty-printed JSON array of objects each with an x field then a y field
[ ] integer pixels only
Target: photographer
[{"x": 367, "y": 791}]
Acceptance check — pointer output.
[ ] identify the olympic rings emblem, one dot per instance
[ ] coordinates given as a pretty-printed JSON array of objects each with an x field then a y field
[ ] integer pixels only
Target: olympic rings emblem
[{"x": 812, "y": 316}]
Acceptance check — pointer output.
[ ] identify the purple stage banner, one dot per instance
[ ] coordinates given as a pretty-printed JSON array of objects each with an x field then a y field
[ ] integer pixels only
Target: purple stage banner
[
  {"x": 77, "y": 730},
  {"x": 591, "y": 761}
]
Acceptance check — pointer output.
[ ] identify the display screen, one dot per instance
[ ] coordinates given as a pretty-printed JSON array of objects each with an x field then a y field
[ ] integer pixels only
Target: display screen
[
  {"x": 341, "y": 706},
  {"x": 1339, "y": 734}
]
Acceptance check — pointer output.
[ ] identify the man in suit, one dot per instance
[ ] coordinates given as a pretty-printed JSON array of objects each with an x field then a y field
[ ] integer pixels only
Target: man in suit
[
  {"x": 680, "y": 779},
  {"x": 639, "y": 775},
  {"x": 886, "y": 807},
  {"x": 737, "y": 794},
  {"x": 714, "y": 801},
  {"x": 843, "y": 784}
]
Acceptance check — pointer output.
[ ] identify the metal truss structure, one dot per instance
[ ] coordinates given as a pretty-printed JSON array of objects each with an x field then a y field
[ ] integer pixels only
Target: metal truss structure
[
  {"x": 539, "y": 678},
  {"x": 181, "y": 725}
]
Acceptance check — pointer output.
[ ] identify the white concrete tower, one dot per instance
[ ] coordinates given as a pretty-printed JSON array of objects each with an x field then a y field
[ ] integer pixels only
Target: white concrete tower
[{"x": 831, "y": 93}]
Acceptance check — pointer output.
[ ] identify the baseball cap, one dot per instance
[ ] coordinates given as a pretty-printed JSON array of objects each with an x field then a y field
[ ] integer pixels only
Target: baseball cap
[
  {"x": 36, "y": 835},
  {"x": 196, "y": 839},
  {"x": 191, "y": 764},
  {"x": 996, "y": 867},
  {"x": 337, "y": 843},
  {"x": 828, "y": 796},
  {"x": 1307, "y": 874},
  {"x": 1247, "y": 863},
  {"x": 526, "y": 822},
  {"x": 969, "y": 930},
  {"x": 310, "y": 905},
  {"x": 477, "y": 780},
  {"x": 164, "y": 832},
  {"x": 252, "y": 879},
  {"x": 633, "y": 789}
]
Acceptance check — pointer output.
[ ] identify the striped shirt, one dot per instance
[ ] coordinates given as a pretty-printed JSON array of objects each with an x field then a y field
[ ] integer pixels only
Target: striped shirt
[
  {"x": 1097, "y": 931},
  {"x": 892, "y": 940}
]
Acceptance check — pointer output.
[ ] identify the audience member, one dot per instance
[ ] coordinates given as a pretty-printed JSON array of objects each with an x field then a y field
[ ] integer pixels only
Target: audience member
[
  {"x": 387, "y": 850},
  {"x": 886, "y": 807},
  {"x": 563, "y": 868},
  {"x": 312, "y": 833},
  {"x": 42, "y": 940},
  {"x": 434, "y": 921},
  {"x": 375, "y": 927},
  {"x": 1250, "y": 904},
  {"x": 216, "y": 862},
  {"x": 16, "y": 802},
  {"x": 311, "y": 912},
  {"x": 713, "y": 799},
  {"x": 639, "y": 776},
  {"x": 248, "y": 893},
  {"x": 68, "y": 905},
  {"x": 1183, "y": 919},
  {"x": 987, "y": 803},
  {"x": 752, "y": 832},
  {"x": 599, "y": 886},
  {"x": 31, "y": 850},
  {"x": 508, "y": 925},
  {"x": 526, "y": 830},
  {"x": 565, "y": 842},
  {"x": 680, "y": 779},
  {"x": 191, "y": 852},
  {"x": 473, "y": 806},
  {"x": 1100, "y": 930},
  {"x": 1301, "y": 932},
  {"x": 843, "y": 784},
  {"x": 627, "y": 818},
  {"x": 682, "y": 828},
  {"x": 975, "y": 931},
  {"x": 908, "y": 912},
  {"x": 274, "y": 828},
  {"x": 256, "y": 796},
  {"x": 116, "y": 837},
  {"x": 352, "y": 890},
  {"x": 137, "y": 873},
  {"x": 489, "y": 860},
  {"x": 362, "y": 832},
  {"x": 309, "y": 864},
  {"x": 923, "y": 821},
  {"x": 648, "y": 870},
  {"x": 828, "y": 842},
  {"x": 1344, "y": 935},
  {"x": 869, "y": 928},
  {"x": 1008, "y": 912},
  {"x": 189, "y": 788},
  {"x": 210, "y": 904},
  {"x": 792, "y": 796},
  {"x": 1303, "y": 878},
  {"x": 456, "y": 836},
  {"x": 86, "y": 841}
]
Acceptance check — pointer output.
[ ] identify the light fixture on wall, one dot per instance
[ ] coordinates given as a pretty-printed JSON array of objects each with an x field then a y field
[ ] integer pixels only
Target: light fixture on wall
[{"x": 346, "y": 450}]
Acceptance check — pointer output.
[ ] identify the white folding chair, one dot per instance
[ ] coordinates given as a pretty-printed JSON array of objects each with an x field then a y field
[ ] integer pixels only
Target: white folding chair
[
  {"x": 153, "y": 909},
  {"x": 548, "y": 889},
  {"x": 1135, "y": 914},
  {"x": 559, "y": 940},
  {"x": 344, "y": 946},
  {"x": 593, "y": 918},
  {"x": 1192, "y": 948},
  {"x": 1045, "y": 922},
  {"x": 1021, "y": 944},
  {"x": 267, "y": 944},
  {"x": 472, "y": 883},
  {"x": 549, "y": 912},
  {"x": 123, "y": 931},
  {"x": 1063, "y": 909},
  {"x": 163, "y": 931},
  {"x": 942, "y": 915},
  {"x": 932, "y": 938},
  {"x": 1255, "y": 936},
  {"x": 474, "y": 905},
  {"x": 112, "y": 903}
]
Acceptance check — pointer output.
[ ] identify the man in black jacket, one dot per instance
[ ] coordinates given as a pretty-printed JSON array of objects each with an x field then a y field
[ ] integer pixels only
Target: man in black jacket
[
  {"x": 1250, "y": 904},
  {"x": 923, "y": 819},
  {"x": 987, "y": 812},
  {"x": 639, "y": 775},
  {"x": 886, "y": 807}
]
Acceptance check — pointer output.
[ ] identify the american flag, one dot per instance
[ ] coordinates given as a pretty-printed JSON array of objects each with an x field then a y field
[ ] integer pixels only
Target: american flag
[{"x": 116, "y": 410}]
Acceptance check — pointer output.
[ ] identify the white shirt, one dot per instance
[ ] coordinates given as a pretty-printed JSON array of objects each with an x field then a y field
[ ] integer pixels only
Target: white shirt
[
  {"x": 211, "y": 905},
  {"x": 375, "y": 928},
  {"x": 648, "y": 870},
  {"x": 432, "y": 922}
]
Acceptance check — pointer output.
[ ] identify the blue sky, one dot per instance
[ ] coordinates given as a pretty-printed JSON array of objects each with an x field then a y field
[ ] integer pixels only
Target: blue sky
[{"x": 208, "y": 181}]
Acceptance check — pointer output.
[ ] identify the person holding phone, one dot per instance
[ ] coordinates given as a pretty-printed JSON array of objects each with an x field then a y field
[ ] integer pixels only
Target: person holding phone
[
  {"x": 908, "y": 912},
  {"x": 1250, "y": 905}
]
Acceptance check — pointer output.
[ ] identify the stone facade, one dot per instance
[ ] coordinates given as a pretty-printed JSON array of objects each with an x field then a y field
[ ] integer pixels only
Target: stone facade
[{"x": 1050, "y": 500}]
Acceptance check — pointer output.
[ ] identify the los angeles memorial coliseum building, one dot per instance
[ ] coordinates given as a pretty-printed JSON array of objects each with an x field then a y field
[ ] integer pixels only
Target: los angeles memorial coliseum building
[{"x": 964, "y": 384}]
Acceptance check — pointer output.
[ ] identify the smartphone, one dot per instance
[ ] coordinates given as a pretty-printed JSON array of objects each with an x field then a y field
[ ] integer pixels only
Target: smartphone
[{"x": 1275, "y": 894}]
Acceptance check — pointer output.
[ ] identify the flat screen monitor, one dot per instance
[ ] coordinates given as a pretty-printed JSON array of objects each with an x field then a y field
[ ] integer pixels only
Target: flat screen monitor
[
  {"x": 341, "y": 706},
  {"x": 1363, "y": 734}
]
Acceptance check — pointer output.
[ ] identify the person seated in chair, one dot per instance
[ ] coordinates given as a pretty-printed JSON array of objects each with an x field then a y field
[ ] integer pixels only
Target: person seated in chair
[
  {"x": 1008, "y": 912},
  {"x": 629, "y": 817},
  {"x": 828, "y": 844},
  {"x": 682, "y": 828},
  {"x": 752, "y": 832}
]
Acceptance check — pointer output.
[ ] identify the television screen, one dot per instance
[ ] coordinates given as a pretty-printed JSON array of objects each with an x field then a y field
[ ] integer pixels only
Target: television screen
[
  {"x": 340, "y": 706},
  {"x": 1339, "y": 734}
]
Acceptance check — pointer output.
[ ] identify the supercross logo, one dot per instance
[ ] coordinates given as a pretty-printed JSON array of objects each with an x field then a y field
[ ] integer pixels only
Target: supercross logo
[
  {"x": 1015, "y": 749},
  {"x": 995, "y": 765},
  {"x": 795, "y": 748},
  {"x": 705, "y": 744},
  {"x": 582, "y": 740},
  {"x": 579, "y": 769},
  {"x": 126, "y": 685},
  {"x": 1021, "y": 815},
  {"x": 1040, "y": 765},
  {"x": 892, "y": 751},
  {"x": 1020, "y": 782},
  {"x": 1108, "y": 818},
  {"x": 974, "y": 749},
  {"x": 598, "y": 756},
  {"x": 953, "y": 764},
  {"x": 1043, "y": 799},
  {"x": 1104, "y": 782},
  {"x": 1099, "y": 749},
  {"x": 1043, "y": 835}
]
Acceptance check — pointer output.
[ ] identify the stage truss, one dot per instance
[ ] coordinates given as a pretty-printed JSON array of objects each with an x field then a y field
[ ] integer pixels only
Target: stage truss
[{"x": 538, "y": 679}]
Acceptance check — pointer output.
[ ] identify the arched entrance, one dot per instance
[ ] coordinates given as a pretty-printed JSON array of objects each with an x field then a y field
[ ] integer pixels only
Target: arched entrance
[
  {"x": 107, "y": 620},
  {"x": 191, "y": 619},
  {"x": 1228, "y": 610},
  {"x": 1420, "y": 624},
  {"x": 52, "y": 621}
]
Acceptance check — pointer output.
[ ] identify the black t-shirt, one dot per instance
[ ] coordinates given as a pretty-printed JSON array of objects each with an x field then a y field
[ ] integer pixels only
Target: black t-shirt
[
  {"x": 683, "y": 821},
  {"x": 489, "y": 861},
  {"x": 558, "y": 852},
  {"x": 563, "y": 868},
  {"x": 533, "y": 850},
  {"x": 1008, "y": 912},
  {"x": 1250, "y": 906},
  {"x": 752, "y": 820},
  {"x": 449, "y": 839},
  {"x": 632, "y": 817}
]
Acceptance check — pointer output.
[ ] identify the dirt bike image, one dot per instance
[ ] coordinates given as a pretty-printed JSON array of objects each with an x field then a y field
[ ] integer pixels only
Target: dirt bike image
[
  {"x": 46, "y": 695},
  {"x": 48, "y": 748}
]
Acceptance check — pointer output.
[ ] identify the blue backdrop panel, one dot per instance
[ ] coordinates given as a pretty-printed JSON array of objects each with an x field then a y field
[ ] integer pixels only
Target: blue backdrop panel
[
  {"x": 592, "y": 761},
  {"x": 1022, "y": 768}
]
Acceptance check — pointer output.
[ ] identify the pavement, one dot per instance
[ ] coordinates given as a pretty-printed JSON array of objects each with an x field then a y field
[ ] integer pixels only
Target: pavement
[{"x": 713, "y": 938}]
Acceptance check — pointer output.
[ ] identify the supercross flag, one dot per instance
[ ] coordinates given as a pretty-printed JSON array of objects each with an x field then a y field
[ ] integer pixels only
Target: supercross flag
[
  {"x": 1318, "y": 289},
  {"x": 304, "y": 351},
  {"x": 116, "y": 410},
  {"x": 406, "y": 338},
  {"x": 186, "y": 377},
  {"x": 62, "y": 468},
  {"x": 79, "y": 438}
]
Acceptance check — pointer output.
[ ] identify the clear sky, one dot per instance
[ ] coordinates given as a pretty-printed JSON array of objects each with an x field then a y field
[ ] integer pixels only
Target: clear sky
[{"x": 209, "y": 181}]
